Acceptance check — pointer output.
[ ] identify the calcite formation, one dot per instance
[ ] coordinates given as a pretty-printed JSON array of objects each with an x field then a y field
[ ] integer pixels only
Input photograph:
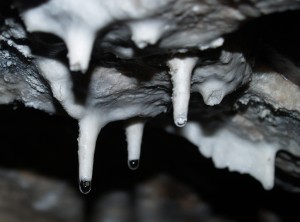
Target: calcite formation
[{"x": 130, "y": 60}]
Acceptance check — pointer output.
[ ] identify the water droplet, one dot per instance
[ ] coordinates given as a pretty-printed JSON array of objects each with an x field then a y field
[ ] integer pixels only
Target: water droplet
[
  {"x": 133, "y": 164},
  {"x": 180, "y": 121},
  {"x": 85, "y": 186}
]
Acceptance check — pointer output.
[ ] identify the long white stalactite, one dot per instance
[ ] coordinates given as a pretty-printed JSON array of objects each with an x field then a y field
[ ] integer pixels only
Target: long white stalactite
[
  {"x": 181, "y": 70},
  {"x": 89, "y": 128},
  {"x": 134, "y": 134}
]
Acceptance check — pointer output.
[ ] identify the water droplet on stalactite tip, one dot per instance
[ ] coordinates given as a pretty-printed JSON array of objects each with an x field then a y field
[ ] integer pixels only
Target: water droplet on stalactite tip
[
  {"x": 85, "y": 186},
  {"x": 133, "y": 164},
  {"x": 180, "y": 121}
]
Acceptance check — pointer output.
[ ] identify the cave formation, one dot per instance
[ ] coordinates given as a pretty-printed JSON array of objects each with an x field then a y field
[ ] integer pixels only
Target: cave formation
[{"x": 183, "y": 105}]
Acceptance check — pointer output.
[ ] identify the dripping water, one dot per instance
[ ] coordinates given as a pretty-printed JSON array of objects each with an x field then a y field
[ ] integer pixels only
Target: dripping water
[
  {"x": 85, "y": 186},
  {"x": 133, "y": 164}
]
